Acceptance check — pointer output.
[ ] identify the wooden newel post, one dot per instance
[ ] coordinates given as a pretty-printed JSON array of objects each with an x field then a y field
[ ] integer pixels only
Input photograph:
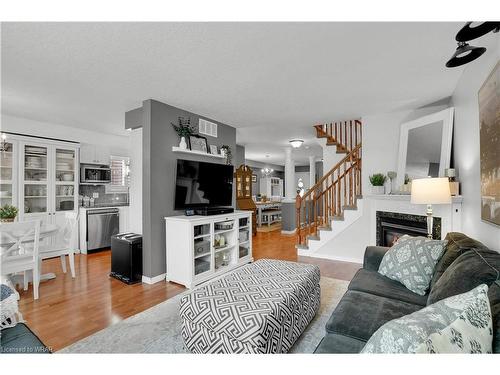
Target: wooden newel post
[{"x": 298, "y": 204}]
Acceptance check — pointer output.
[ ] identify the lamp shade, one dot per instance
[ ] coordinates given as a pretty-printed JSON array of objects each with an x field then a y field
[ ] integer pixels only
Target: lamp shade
[
  {"x": 467, "y": 32},
  {"x": 430, "y": 191},
  {"x": 464, "y": 54}
]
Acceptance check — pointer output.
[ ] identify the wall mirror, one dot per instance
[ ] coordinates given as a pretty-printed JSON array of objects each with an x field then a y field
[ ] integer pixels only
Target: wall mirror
[{"x": 425, "y": 146}]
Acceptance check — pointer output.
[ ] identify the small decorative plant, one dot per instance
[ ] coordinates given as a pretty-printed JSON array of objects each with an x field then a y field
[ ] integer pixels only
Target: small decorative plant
[
  {"x": 378, "y": 179},
  {"x": 407, "y": 179},
  {"x": 8, "y": 213},
  {"x": 183, "y": 130},
  {"x": 227, "y": 153}
]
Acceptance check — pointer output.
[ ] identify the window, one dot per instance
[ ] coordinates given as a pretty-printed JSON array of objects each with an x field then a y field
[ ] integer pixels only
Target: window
[{"x": 120, "y": 179}]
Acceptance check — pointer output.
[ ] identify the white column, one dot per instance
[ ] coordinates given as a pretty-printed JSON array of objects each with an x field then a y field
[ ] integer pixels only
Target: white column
[
  {"x": 312, "y": 170},
  {"x": 290, "y": 190}
]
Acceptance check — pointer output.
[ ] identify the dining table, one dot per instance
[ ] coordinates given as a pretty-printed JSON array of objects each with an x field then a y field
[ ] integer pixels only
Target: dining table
[{"x": 46, "y": 231}]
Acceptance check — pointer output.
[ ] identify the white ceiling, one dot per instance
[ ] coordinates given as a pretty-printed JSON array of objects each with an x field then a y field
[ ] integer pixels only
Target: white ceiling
[
  {"x": 267, "y": 144},
  {"x": 272, "y": 81}
]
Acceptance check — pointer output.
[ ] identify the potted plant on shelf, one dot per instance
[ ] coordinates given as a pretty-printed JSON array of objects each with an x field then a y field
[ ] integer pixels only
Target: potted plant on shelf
[
  {"x": 225, "y": 150},
  {"x": 183, "y": 130},
  {"x": 406, "y": 188},
  {"x": 8, "y": 213},
  {"x": 378, "y": 180}
]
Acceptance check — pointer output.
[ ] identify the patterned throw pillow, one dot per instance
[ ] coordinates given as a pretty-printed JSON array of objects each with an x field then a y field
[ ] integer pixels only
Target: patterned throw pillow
[
  {"x": 9, "y": 312},
  {"x": 457, "y": 324},
  {"x": 411, "y": 261}
]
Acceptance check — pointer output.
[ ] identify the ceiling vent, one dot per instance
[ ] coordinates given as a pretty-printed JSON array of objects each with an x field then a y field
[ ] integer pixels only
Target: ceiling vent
[{"x": 207, "y": 128}]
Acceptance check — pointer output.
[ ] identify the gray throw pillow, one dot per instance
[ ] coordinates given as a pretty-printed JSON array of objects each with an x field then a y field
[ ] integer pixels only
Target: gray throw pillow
[
  {"x": 458, "y": 243},
  {"x": 458, "y": 324},
  {"x": 9, "y": 311},
  {"x": 411, "y": 261},
  {"x": 472, "y": 268}
]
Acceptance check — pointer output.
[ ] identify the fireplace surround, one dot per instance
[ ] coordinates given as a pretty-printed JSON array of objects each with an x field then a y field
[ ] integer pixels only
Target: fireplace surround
[{"x": 392, "y": 225}]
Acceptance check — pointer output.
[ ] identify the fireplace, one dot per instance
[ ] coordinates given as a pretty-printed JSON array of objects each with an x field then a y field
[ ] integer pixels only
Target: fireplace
[{"x": 392, "y": 225}]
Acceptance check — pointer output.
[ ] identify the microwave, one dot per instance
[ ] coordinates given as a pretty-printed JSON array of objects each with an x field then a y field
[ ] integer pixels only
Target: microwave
[{"x": 95, "y": 174}]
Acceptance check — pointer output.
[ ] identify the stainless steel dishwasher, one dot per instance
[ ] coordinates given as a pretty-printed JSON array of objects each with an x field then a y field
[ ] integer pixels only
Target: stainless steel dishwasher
[{"x": 101, "y": 225}]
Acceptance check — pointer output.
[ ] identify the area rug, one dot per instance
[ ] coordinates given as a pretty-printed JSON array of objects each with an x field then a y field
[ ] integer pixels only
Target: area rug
[{"x": 158, "y": 329}]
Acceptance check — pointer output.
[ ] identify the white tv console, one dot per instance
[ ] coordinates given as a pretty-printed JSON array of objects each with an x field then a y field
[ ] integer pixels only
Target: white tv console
[{"x": 195, "y": 251}]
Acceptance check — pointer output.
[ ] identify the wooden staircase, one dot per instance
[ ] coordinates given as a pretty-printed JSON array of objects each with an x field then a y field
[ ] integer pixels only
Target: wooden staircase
[{"x": 338, "y": 190}]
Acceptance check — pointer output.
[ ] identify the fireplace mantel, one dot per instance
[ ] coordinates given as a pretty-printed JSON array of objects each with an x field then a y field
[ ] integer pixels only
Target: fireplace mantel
[
  {"x": 404, "y": 197},
  {"x": 450, "y": 214}
]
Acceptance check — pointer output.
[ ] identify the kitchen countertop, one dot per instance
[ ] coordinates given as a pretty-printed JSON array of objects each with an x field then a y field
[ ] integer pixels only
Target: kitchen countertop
[{"x": 104, "y": 207}]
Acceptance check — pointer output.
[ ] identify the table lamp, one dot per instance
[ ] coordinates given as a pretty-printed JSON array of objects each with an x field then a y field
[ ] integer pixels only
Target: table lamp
[{"x": 430, "y": 191}]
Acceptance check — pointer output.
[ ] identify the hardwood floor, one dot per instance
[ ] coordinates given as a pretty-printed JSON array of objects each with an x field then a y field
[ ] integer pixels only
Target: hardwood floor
[
  {"x": 274, "y": 245},
  {"x": 71, "y": 309}
]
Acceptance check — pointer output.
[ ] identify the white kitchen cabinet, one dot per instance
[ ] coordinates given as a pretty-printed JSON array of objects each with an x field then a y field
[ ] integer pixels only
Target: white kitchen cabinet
[
  {"x": 271, "y": 187},
  {"x": 94, "y": 154},
  {"x": 9, "y": 173},
  {"x": 44, "y": 183},
  {"x": 102, "y": 155},
  {"x": 87, "y": 153}
]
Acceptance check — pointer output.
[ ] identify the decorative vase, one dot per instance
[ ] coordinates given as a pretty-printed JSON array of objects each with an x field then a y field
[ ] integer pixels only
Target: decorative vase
[
  {"x": 378, "y": 190},
  {"x": 183, "y": 144},
  {"x": 8, "y": 220}
]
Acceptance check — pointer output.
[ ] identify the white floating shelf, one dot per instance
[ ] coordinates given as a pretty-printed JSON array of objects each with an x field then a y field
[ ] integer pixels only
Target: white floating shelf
[{"x": 192, "y": 152}]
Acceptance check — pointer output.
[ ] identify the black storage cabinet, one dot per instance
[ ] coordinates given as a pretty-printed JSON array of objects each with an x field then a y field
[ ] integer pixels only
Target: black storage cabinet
[{"x": 126, "y": 257}]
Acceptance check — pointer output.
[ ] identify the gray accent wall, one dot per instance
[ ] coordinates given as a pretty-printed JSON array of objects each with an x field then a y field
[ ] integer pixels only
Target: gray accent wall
[
  {"x": 133, "y": 118},
  {"x": 288, "y": 213},
  {"x": 301, "y": 168},
  {"x": 159, "y": 164},
  {"x": 305, "y": 168},
  {"x": 239, "y": 156}
]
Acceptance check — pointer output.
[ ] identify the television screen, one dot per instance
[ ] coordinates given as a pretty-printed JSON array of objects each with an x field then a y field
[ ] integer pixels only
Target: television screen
[{"x": 200, "y": 184}]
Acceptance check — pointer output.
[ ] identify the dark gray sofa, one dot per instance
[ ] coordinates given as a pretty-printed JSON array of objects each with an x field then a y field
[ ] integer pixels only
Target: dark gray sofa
[{"x": 372, "y": 299}]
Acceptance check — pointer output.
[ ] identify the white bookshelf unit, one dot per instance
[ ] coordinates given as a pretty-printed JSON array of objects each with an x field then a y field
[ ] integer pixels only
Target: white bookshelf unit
[{"x": 200, "y": 248}]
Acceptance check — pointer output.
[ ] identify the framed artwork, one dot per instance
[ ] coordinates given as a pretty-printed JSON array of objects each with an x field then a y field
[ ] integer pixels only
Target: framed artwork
[
  {"x": 198, "y": 143},
  {"x": 213, "y": 150},
  {"x": 489, "y": 146},
  {"x": 254, "y": 178}
]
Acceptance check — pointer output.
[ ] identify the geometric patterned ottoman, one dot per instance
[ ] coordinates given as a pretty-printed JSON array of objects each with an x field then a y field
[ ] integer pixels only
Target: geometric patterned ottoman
[{"x": 262, "y": 307}]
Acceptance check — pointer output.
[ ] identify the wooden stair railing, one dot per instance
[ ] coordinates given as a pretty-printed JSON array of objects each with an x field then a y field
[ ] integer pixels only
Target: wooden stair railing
[
  {"x": 344, "y": 134},
  {"x": 338, "y": 189}
]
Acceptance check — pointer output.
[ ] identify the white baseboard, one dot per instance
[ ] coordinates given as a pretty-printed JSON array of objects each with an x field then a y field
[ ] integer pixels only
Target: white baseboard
[
  {"x": 153, "y": 280},
  {"x": 288, "y": 232},
  {"x": 304, "y": 253}
]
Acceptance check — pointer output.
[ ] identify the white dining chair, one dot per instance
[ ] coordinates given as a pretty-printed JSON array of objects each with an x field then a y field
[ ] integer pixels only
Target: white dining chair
[
  {"x": 65, "y": 242},
  {"x": 19, "y": 247}
]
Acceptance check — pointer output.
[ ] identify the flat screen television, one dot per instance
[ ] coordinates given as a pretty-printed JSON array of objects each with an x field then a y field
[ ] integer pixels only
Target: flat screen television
[{"x": 200, "y": 185}]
